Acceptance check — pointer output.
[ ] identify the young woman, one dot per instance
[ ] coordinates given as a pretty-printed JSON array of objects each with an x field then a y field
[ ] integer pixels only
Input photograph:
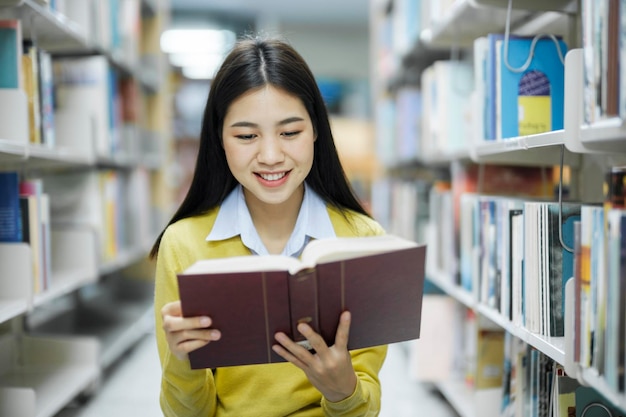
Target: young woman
[{"x": 267, "y": 180}]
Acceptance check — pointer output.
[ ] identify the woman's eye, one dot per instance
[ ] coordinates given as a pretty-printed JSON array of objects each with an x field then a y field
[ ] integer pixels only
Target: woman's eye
[
  {"x": 291, "y": 133},
  {"x": 246, "y": 137}
]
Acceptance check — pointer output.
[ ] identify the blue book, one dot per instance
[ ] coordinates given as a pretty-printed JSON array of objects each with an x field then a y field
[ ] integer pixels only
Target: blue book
[
  {"x": 10, "y": 53},
  {"x": 530, "y": 101},
  {"x": 561, "y": 260},
  {"x": 10, "y": 215}
]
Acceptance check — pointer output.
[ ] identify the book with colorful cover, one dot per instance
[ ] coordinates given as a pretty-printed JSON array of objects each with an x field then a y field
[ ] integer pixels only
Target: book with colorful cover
[
  {"x": 530, "y": 101},
  {"x": 10, "y": 53}
]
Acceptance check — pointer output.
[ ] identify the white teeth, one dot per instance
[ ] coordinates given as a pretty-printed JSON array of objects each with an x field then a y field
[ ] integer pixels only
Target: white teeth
[{"x": 272, "y": 177}]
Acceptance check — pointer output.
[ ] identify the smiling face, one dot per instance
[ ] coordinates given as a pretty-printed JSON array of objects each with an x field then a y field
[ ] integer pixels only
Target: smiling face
[{"x": 268, "y": 139}]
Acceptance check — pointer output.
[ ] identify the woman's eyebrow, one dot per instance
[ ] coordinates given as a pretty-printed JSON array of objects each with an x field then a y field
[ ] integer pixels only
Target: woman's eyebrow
[
  {"x": 283, "y": 122},
  {"x": 290, "y": 120},
  {"x": 244, "y": 124}
]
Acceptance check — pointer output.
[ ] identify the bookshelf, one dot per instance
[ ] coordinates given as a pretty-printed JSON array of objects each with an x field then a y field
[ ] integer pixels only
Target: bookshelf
[
  {"x": 588, "y": 151},
  {"x": 101, "y": 207}
]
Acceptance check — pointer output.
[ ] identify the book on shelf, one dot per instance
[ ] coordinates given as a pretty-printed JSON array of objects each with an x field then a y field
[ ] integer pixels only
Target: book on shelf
[
  {"x": 603, "y": 273},
  {"x": 603, "y": 57},
  {"x": 577, "y": 287},
  {"x": 564, "y": 393},
  {"x": 622, "y": 60},
  {"x": 493, "y": 180},
  {"x": 35, "y": 206},
  {"x": 489, "y": 366},
  {"x": 93, "y": 199},
  {"x": 433, "y": 355},
  {"x": 480, "y": 52},
  {"x": 596, "y": 404},
  {"x": 11, "y": 53},
  {"x": 10, "y": 218},
  {"x": 615, "y": 313},
  {"x": 547, "y": 263},
  {"x": 85, "y": 85},
  {"x": 446, "y": 87},
  {"x": 46, "y": 97},
  {"x": 588, "y": 297},
  {"x": 249, "y": 298},
  {"x": 30, "y": 75},
  {"x": 524, "y": 100}
]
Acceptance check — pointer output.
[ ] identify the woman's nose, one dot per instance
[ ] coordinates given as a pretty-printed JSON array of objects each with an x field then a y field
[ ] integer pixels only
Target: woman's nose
[{"x": 270, "y": 151}]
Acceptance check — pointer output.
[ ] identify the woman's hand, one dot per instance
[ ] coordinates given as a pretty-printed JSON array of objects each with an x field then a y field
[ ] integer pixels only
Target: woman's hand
[
  {"x": 184, "y": 334},
  {"x": 330, "y": 368}
]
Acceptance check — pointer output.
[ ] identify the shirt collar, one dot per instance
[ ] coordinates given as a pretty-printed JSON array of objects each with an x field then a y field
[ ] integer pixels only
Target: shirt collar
[{"x": 233, "y": 219}]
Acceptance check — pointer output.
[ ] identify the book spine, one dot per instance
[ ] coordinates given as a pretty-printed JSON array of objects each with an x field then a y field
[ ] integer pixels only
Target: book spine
[
  {"x": 10, "y": 218},
  {"x": 11, "y": 54},
  {"x": 46, "y": 97},
  {"x": 303, "y": 302}
]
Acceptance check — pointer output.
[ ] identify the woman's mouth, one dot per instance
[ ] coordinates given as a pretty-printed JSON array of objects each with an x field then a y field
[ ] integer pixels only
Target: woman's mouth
[{"x": 274, "y": 176}]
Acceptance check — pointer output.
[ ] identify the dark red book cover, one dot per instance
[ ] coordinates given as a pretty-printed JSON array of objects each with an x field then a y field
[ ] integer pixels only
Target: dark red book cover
[{"x": 383, "y": 292}]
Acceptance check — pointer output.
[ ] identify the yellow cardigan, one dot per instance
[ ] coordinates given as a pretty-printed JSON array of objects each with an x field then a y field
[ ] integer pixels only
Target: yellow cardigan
[{"x": 255, "y": 390}]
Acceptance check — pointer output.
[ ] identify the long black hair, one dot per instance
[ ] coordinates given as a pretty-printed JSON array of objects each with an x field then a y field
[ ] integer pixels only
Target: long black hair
[{"x": 252, "y": 64}]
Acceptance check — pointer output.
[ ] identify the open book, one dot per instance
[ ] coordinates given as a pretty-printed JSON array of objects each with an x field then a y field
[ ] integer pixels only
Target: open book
[{"x": 378, "y": 279}]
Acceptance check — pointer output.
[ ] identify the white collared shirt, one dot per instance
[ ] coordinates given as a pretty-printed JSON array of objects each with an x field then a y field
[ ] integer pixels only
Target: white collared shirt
[{"x": 234, "y": 219}]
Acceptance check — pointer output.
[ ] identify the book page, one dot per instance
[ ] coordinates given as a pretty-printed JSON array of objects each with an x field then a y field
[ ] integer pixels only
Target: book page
[
  {"x": 329, "y": 250},
  {"x": 245, "y": 264}
]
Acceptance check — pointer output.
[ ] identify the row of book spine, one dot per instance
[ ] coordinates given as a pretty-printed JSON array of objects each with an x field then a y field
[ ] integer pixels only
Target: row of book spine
[
  {"x": 112, "y": 25},
  {"x": 28, "y": 68},
  {"x": 510, "y": 377},
  {"x": 116, "y": 206},
  {"x": 604, "y": 45},
  {"x": 600, "y": 279},
  {"x": 533, "y": 384},
  {"x": 460, "y": 103},
  {"x": 516, "y": 89},
  {"x": 516, "y": 255},
  {"x": 105, "y": 96},
  {"x": 25, "y": 217},
  {"x": 91, "y": 87}
]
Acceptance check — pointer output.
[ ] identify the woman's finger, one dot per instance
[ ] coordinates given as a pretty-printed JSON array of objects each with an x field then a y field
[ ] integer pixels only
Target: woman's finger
[
  {"x": 343, "y": 330},
  {"x": 177, "y": 323}
]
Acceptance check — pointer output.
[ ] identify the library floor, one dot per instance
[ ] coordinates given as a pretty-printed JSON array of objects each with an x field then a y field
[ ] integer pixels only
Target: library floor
[{"x": 131, "y": 388}]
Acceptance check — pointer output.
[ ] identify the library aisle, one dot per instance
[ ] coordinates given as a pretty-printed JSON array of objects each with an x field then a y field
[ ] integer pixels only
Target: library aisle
[{"x": 130, "y": 388}]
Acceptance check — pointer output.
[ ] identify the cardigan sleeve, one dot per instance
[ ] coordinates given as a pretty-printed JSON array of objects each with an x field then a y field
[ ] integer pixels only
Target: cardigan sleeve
[
  {"x": 184, "y": 392},
  {"x": 366, "y": 399}
]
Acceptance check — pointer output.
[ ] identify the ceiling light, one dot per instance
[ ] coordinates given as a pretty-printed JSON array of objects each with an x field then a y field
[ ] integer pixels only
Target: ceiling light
[
  {"x": 197, "y": 40},
  {"x": 199, "y": 72}
]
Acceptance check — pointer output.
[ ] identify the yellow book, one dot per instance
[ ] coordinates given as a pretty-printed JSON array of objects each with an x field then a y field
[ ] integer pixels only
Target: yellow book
[{"x": 30, "y": 75}]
